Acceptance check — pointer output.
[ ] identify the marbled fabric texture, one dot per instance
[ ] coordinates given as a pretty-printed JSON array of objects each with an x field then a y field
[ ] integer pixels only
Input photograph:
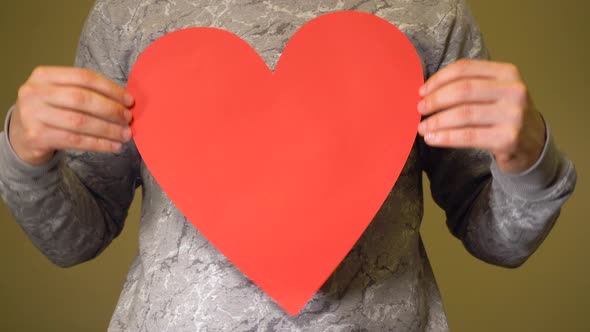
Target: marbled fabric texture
[{"x": 73, "y": 207}]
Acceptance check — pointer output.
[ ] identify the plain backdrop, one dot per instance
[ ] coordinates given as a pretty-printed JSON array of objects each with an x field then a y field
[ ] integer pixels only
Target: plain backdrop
[{"x": 548, "y": 40}]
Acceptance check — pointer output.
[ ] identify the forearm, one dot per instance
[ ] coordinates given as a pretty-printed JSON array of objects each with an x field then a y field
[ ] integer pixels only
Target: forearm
[
  {"x": 53, "y": 207},
  {"x": 513, "y": 214}
]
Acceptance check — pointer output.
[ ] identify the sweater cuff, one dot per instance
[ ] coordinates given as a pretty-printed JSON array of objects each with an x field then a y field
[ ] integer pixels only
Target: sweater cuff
[
  {"x": 535, "y": 182},
  {"x": 19, "y": 171}
]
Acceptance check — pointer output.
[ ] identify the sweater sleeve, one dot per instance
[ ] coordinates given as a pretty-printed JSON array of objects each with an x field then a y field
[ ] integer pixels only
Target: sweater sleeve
[
  {"x": 75, "y": 205},
  {"x": 500, "y": 218}
]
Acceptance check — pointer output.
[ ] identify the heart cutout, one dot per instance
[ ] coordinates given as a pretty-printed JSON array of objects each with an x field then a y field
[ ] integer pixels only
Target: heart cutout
[{"x": 281, "y": 171}]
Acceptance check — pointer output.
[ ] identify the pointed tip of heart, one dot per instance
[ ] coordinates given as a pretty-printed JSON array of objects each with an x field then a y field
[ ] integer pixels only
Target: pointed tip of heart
[{"x": 293, "y": 309}]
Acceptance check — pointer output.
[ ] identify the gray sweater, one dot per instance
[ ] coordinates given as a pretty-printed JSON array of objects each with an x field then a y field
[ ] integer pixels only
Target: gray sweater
[{"x": 74, "y": 206}]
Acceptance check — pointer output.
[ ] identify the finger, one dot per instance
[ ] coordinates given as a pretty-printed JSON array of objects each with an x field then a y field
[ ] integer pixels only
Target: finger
[
  {"x": 463, "y": 69},
  {"x": 87, "y": 101},
  {"x": 66, "y": 140},
  {"x": 84, "y": 78},
  {"x": 461, "y": 92},
  {"x": 467, "y": 115},
  {"x": 84, "y": 124},
  {"x": 491, "y": 138}
]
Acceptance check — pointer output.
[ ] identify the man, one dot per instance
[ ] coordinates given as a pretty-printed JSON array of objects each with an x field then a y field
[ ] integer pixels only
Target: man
[{"x": 502, "y": 194}]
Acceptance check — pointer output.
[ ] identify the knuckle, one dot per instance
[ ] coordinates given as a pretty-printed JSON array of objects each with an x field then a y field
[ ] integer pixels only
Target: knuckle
[
  {"x": 96, "y": 143},
  {"x": 78, "y": 97},
  {"x": 111, "y": 131},
  {"x": 466, "y": 88},
  {"x": 113, "y": 111},
  {"x": 85, "y": 76},
  {"x": 519, "y": 89},
  {"x": 77, "y": 121},
  {"x": 101, "y": 144},
  {"x": 463, "y": 65},
  {"x": 520, "y": 93},
  {"x": 466, "y": 114},
  {"x": 105, "y": 145},
  {"x": 468, "y": 135},
  {"x": 511, "y": 70},
  {"x": 25, "y": 91},
  {"x": 39, "y": 72},
  {"x": 73, "y": 139}
]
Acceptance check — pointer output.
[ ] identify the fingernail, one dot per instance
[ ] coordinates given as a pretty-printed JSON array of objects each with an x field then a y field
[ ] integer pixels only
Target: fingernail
[
  {"x": 128, "y": 116},
  {"x": 421, "y": 127},
  {"x": 430, "y": 137},
  {"x": 423, "y": 90},
  {"x": 126, "y": 134},
  {"x": 421, "y": 106},
  {"x": 129, "y": 100},
  {"x": 116, "y": 146}
]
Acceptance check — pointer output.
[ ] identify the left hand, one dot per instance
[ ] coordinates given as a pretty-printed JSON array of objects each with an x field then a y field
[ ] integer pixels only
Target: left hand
[{"x": 483, "y": 105}]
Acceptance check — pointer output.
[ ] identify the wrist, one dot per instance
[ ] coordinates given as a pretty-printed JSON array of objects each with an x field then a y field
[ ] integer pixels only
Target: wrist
[
  {"x": 16, "y": 140},
  {"x": 531, "y": 144},
  {"x": 534, "y": 181}
]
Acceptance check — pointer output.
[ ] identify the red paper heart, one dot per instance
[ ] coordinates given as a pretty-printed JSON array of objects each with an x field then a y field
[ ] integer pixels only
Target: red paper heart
[{"x": 281, "y": 172}]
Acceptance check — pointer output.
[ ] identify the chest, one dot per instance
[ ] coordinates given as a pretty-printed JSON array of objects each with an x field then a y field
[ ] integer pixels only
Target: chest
[{"x": 267, "y": 25}]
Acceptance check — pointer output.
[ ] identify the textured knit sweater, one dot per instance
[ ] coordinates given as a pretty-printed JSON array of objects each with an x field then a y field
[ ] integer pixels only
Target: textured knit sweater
[{"x": 75, "y": 205}]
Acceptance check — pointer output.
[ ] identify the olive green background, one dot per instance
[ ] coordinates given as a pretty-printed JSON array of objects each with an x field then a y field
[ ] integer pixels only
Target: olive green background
[{"x": 548, "y": 40}]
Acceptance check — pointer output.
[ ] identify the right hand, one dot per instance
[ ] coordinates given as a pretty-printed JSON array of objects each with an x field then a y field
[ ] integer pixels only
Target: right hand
[{"x": 62, "y": 108}]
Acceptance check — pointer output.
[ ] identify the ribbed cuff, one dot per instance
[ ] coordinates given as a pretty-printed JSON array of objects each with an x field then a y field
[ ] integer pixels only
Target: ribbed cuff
[
  {"x": 15, "y": 169},
  {"x": 535, "y": 182}
]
